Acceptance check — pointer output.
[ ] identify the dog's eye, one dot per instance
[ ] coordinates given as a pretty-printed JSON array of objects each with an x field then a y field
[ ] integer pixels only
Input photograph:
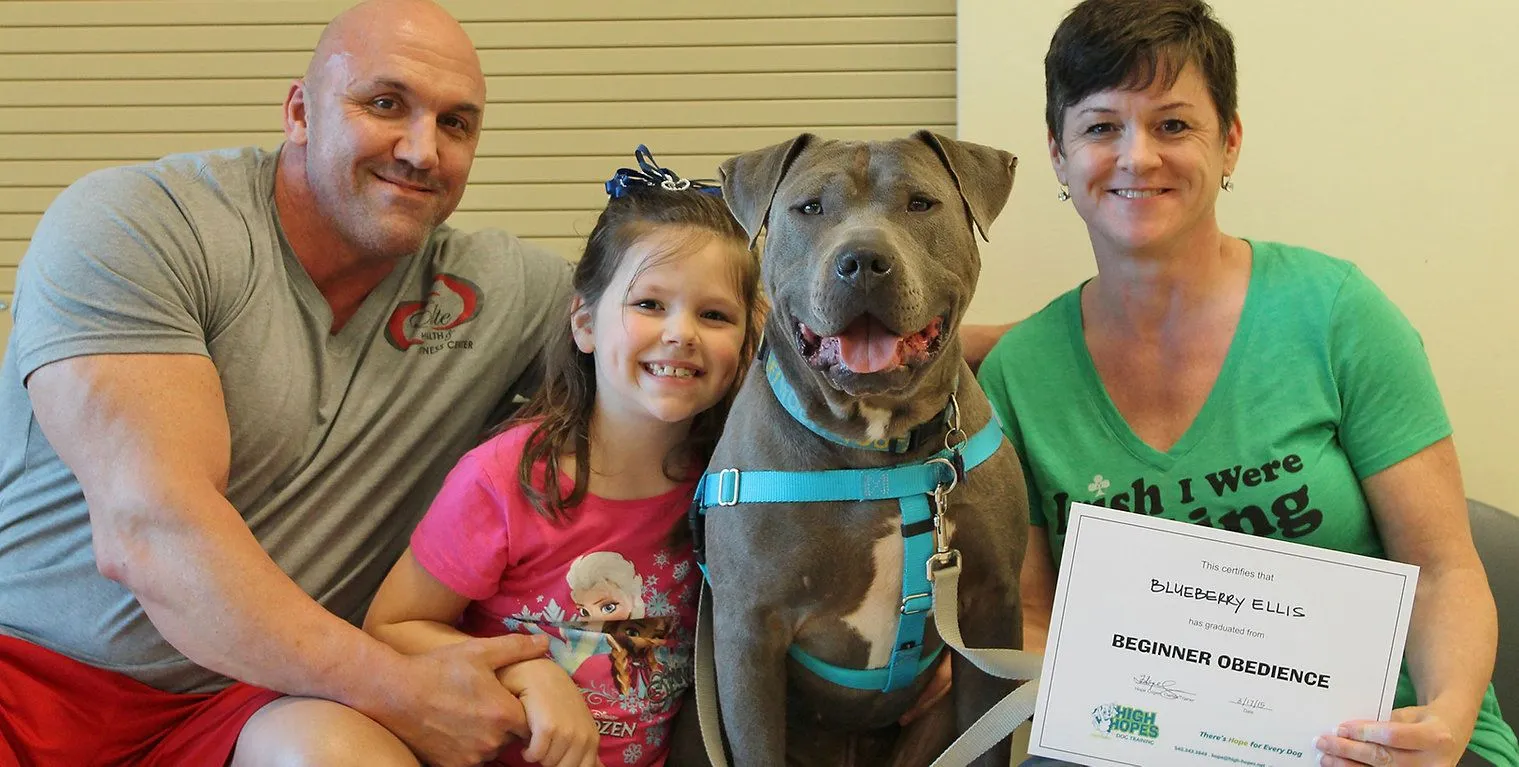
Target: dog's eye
[
  {"x": 921, "y": 204},
  {"x": 810, "y": 208}
]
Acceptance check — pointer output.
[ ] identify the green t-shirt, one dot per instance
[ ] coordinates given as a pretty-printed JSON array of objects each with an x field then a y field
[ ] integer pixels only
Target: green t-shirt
[{"x": 1325, "y": 383}]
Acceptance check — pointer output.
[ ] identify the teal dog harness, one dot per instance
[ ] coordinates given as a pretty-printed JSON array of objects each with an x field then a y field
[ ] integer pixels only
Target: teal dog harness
[{"x": 921, "y": 490}]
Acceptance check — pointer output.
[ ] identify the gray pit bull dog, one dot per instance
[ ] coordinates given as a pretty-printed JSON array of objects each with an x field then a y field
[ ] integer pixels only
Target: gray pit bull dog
[{"x": 870, "y": 260}]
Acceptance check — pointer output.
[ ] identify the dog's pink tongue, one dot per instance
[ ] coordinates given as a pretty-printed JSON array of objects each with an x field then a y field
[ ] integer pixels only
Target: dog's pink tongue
[{"x": 868, "y": 347}]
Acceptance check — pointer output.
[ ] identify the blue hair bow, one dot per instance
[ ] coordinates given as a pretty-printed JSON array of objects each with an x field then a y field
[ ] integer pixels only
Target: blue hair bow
[{"x": 649, "y": 174}]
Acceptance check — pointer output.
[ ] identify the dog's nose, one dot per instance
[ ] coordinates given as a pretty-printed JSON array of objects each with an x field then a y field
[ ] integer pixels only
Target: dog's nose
[{"x": 862, "y": 265}]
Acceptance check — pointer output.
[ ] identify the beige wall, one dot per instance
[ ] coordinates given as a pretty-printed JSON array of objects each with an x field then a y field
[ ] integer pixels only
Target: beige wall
[
  {"x": 574, "y": 86},
  {"x": 1373, "y": 132},
  {"x": 1377, "y": 132}
]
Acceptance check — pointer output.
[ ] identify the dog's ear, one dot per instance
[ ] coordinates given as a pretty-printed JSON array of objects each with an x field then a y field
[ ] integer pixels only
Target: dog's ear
[
  {"x": 750, "y": 180},
  {"x": 983, "y": 175}
]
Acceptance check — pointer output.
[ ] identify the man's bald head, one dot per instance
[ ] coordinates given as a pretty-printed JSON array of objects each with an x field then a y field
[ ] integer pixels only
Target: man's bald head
[
  {"x": 382, "y": 131},
  {"x": 380, "y": 24}
]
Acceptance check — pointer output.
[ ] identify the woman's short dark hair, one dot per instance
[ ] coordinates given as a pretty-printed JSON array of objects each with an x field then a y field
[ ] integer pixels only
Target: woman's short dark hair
[{"x": 1128, "y": 44}]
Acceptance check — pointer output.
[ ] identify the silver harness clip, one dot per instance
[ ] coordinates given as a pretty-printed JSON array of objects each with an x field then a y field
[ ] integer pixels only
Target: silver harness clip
[{"x": 954, "y": 441}]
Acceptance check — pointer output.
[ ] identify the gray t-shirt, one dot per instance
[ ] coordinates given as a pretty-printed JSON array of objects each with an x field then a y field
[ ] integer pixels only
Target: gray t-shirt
[{"x": 338, "y": 441}]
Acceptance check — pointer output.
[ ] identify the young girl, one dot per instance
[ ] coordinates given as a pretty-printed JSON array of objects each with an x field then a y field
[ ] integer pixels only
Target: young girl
[{"x": 569, "y": 522}]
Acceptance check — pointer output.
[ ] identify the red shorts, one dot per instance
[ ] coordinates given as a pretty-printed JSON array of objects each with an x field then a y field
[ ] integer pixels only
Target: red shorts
[{"x": 55, "y": 711}]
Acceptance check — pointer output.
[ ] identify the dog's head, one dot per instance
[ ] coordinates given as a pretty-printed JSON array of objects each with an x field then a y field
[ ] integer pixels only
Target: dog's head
[{"x": 870, "y": 256}]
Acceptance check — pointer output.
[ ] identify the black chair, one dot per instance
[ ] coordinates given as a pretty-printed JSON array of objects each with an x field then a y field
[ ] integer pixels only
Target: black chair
[{"x": 1497, "y": 536}]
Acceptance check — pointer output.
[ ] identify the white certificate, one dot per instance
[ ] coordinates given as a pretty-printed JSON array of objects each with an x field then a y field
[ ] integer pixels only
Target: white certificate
[{"x": 1176, "y": 644}]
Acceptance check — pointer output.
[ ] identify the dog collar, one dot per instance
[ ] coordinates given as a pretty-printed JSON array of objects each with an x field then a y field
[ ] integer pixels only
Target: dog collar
[{"x": 786, "y": 395}]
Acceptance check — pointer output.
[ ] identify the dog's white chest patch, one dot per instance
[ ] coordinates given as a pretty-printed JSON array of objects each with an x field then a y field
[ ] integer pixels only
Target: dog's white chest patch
[
  {"x": 876, "y": 421},
  {"x": 876, "y": 618}
]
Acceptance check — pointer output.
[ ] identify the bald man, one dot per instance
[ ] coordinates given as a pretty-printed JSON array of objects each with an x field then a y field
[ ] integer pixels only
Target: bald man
[{"x": 234, "y": 382}]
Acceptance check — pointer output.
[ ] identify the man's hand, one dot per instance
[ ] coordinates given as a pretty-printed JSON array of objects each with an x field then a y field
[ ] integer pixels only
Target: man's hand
[
  {"x": 455, "y": 712},
  {"x": 563, "y": 732}
]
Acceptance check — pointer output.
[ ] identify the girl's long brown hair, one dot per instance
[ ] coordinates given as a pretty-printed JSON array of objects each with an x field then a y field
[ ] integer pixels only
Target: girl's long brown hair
[{"x": 562, "y": 407}]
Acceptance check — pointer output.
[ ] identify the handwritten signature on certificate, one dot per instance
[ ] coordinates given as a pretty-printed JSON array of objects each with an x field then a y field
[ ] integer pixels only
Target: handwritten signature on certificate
[{"x": 1163, "y": 688}]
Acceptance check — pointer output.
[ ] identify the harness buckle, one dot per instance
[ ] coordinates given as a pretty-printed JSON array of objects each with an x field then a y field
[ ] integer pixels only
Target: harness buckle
[
  {"x": 909, "y": 609},
  {"x": 724, "y": 498},
  {"x": 940, "y": 560}
]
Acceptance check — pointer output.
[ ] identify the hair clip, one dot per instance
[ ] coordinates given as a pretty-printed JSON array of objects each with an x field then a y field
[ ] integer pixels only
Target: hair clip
[{"x": 650, "y": 174}]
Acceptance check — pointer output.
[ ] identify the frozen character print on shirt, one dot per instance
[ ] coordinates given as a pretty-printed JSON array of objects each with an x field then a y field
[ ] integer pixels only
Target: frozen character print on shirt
[
  {"x": 608, "y": 594},
  {"x": 637, "y": 653},
  {"x": 619, "y": 628},
  {"x": 605, "y": 587}
]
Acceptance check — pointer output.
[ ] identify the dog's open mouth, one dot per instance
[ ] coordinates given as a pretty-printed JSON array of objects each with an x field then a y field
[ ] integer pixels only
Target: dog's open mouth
[{"x": 867, "y": 346}]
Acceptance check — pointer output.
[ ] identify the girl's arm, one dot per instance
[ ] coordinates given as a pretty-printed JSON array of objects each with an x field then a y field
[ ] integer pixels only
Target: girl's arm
[
  {"x": 414, "y": 612},
  {"x": 1420, "y": 510},
  {"x": 563, "y": 730}
]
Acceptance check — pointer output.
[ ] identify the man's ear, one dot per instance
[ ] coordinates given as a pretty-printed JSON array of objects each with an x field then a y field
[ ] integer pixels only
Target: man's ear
[
  {"x": 581, "y": 325},
  {"x": 983, "y": 175},
  {"x": 750, "y": 181},
  {"x": 295, "y": 113}
]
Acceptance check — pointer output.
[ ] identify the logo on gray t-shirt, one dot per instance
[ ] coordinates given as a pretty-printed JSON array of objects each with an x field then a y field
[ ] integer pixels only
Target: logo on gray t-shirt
[{"x": 430, "y": 323}]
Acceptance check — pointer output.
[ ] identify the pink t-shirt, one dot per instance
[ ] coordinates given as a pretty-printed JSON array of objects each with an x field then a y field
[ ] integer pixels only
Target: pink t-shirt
[{"x": 616, "y": 600}]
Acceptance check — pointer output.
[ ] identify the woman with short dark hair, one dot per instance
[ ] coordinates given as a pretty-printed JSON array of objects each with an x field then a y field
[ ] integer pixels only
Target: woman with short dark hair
[{"x": 1193, "y": 350}]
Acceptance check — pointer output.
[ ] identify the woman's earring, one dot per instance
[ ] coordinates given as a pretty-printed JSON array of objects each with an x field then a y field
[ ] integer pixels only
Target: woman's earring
[
  {"x": 1228, "y": 184},
  {"x": 1065, "y": 193}
]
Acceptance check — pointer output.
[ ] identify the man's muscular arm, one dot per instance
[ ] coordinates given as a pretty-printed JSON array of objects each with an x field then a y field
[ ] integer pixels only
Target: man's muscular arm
[{"x": 148, "y": 438}]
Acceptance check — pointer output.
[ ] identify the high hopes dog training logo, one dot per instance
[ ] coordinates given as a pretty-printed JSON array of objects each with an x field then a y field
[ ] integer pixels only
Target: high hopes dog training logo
[
  {"x": 1124, "y": 722},
  {"x": 430, "y": 324}
]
